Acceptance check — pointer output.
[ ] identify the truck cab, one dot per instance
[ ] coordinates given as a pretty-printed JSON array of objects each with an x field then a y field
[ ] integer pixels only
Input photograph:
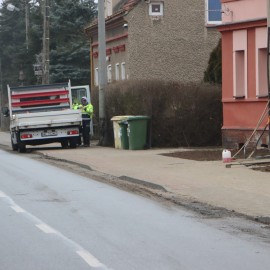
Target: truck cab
[{"x": 77, "y": 92}]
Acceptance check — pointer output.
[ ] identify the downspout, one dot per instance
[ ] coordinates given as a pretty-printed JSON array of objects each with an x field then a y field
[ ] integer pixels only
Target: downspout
[{"x": 268, "y": 67}]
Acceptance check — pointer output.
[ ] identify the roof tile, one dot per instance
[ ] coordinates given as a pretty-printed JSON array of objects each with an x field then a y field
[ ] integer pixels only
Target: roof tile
[
  {"x": 125, "y": 7},
  {"x": 130, "y": 4}
]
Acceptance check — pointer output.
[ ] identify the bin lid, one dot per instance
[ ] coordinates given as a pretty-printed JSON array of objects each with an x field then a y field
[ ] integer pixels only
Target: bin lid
[
  {"x": 120, "y": 117},
  {"x": 138, "y": 117},
  {"x": 123, "y": 123}
]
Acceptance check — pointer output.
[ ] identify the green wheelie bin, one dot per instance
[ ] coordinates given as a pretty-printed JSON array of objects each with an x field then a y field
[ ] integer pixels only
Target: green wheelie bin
[
  {"x": 137, "y": 131},
  {"x": 124, "y": 134}
]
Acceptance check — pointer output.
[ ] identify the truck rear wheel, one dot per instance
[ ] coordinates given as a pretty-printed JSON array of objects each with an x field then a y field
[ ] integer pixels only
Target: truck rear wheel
[
  {"x": 14, "y": 146},
  {"x": 73, "y": 142},
  {"x": 21, "y": 148},
  {"x": 64, "y": 144}
]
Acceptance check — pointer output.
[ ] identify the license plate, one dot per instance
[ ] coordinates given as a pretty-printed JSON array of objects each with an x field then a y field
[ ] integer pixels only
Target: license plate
[{"x": 49, "y": 133}]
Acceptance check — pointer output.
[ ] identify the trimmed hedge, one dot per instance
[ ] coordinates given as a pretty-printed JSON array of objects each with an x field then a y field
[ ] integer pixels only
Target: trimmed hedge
[{"x": 181, "y": 114}]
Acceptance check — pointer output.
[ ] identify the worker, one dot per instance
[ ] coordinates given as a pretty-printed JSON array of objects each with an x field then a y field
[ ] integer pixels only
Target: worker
[
  {"x": 87, "y": 113},
  {"x": 77, "y": 106}
]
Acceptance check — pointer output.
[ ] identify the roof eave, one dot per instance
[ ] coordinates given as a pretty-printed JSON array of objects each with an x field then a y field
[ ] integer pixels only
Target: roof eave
[{"x": 92, "y": 28}]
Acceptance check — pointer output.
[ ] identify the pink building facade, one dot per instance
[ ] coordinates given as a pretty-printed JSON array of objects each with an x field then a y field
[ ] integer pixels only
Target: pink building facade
[{"x": 244, "y": 71}]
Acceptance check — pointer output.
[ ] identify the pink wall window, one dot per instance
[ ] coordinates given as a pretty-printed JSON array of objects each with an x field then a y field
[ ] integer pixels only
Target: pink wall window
[
  {"x": 239, "y": 66},
  {"x": 240, "y": 63},
  {"x": 261, "y": 62},
  {"x": 262, "y": 90}
]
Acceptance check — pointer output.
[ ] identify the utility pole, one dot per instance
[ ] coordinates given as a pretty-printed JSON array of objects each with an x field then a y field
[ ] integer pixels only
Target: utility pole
[
  {"x": 1, "y": 95},
  {"x": 27, "y": 24},
  {"x": 4, "y": 123},
  {"x": 46, "y": 42},
  {"x": 102, "y": 71},
  {"x": 268, "y": 67}
]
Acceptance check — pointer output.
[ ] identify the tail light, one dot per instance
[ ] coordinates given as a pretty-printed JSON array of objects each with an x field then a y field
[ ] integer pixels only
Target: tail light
[
  {"x": 73, "y": 132},
  {"x": 26, "y": 136}
]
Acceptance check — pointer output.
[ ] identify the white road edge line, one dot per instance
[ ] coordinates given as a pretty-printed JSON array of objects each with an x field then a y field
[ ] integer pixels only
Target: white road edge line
[
  {"x": 2, "y": 194},
  {"x": 17, "y": 209},
  {"x": 90, "y": 259},
  {"x": 45, "y": 228},
  {"x": 84, "y": 254}
]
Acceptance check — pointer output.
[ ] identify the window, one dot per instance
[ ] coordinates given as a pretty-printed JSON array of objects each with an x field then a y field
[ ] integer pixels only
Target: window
[
  {"x": 123, "y": 71},
  {"x": 78, "y": 93},
  {"x": 239, "y": 79},
  {"x": 262, "y": 86},
  {"x": 261, "y": 62},
  {"x": 156, "y": 9},
  {"x": 240, "y": 63},
  {"x": 213, "y": 11},
  {"x": 109, "y": 73},
  {"x": 96, "y": 76},
  {"x": 117, "y": 73}
]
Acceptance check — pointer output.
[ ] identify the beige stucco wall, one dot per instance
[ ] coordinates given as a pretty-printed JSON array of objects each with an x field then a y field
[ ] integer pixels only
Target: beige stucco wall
[{"x": 176, "y": 47}]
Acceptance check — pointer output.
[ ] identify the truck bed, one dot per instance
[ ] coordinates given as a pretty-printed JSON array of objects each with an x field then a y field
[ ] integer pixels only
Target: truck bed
[{"x": 43, "y": 120}]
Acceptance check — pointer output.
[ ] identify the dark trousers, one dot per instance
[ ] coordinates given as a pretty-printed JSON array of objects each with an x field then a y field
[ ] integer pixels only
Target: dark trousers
[
  {"x": 86, "y": 131},
  {"x": 80, "y": 137}
]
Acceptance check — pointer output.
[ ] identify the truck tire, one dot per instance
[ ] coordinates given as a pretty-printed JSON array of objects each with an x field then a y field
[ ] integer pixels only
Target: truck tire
[
  {"x": 21, "y": 148},
  {"x": 73, "y": 142},
  {"x": 64, "y": 144},
  {"x": 14, "y": 146}
]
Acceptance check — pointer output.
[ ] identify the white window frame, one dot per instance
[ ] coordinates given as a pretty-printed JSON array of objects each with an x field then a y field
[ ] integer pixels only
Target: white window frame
[
  {"x": 207, "y": 10},
  {"x": 123, "y": 70},
  {"x": 117, "y": 72},
  {"x": 109, "y": 73},
  {"x": 96, "y": 77},
  {"x": 151, "y": 13}
]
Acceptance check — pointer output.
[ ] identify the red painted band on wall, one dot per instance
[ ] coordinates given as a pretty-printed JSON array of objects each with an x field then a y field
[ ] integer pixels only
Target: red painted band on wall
[{"x": 111, "y": 39}]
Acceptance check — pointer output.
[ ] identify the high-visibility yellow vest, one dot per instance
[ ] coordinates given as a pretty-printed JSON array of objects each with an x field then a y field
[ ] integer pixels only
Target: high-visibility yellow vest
[
  {"x": 76, "y": 106},
  {"x": 88, "y": 109}
]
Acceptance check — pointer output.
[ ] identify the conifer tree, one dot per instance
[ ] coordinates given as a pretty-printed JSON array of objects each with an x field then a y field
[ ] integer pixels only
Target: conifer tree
[
  {"x": 15, "y": 59},
  {"x": 213, "y": 73},
  {"x": 69, "y": 48}
]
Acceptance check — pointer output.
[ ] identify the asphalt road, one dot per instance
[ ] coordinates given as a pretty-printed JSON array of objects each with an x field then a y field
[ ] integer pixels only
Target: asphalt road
[{"x": 53, "y": 219}]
